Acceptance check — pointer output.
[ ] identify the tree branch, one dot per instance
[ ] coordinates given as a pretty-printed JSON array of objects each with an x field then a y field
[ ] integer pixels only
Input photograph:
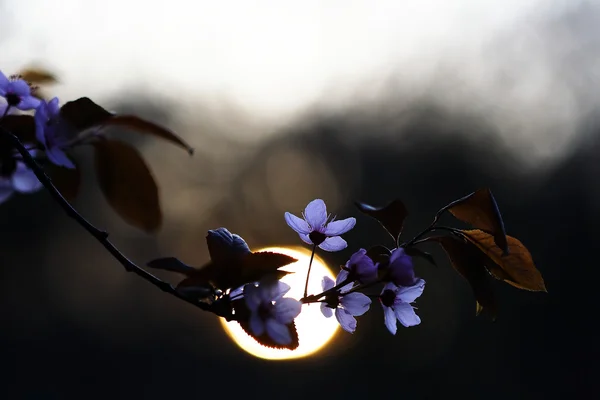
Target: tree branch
[{"x": 102, "y": 236}]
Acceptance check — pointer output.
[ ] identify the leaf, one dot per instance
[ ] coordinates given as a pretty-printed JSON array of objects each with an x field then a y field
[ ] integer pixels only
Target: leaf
[
  {"x": 84, "y": 114},
  {"x": 516, "y": 268},
  {"x": 481, "y": 210},
  {"x": 171, "y": 264},
  {"x": 265, "y": 339},
  {"x": 22, "y": 126},
  {"x": 38, "y": 76},
  {"x": 391, "y": 217},
  {"x": 469, "y": 263},
  {"x": 415, "y": 252},
  {"x": 135, "y": 123},
  {"x": 66, "y": 180},
  {"x": 236, "y": 272},
  {"x": 127, "y": 184}
]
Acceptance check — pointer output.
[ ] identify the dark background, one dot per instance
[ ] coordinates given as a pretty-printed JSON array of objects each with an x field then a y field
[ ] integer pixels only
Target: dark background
[{"x": 74, "y": 324}]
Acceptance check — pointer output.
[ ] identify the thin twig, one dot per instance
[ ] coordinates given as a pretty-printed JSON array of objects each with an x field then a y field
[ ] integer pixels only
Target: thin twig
[{"x": 102, "y": 236}]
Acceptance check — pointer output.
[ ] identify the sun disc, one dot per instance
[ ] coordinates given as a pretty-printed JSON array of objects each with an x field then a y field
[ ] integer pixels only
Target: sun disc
[{"x": 314, "y": 330}]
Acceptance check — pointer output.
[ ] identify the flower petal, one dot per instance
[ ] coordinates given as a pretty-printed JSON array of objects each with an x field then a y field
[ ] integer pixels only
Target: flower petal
[
  {"x": 389, "y": 318},
  {"x": 6, "y": 189},
  {"x": 24, "y": 180},
  {"x": 315, "y": 214},
  {"x": 279, "y": 332},
  {"x": 285, "y": 310},
  {"x": 406, "y": 315},
  {"x": 20, "y": 88},
  {"x": 401, "y": 268},
  {"x": 408, "y": 294},
  {"x": 297, "y": 224},
  {"x": 252, "y": 296},
  {"x": 340, "y": 227},
  {"x": 4, "y": 82},
  {"x": 326, "y": 310},
  {"x": 327, "y": 283},
  {"x": 272, "y": 291},
  {"x": 341, "y": 276},
  {"x": 356, "y": 303},
  {"x": 305, "y": 238},
  {"x": 53, "y": 107},
  {"x": 334, "y": 243},
  {"x": 363, "y": 266},
  {"x": 257, "y": 325},
  {"x": 59, "y": 157},
  {"x": 28, "y": 103},
  {"x": 347, "y": 321}
]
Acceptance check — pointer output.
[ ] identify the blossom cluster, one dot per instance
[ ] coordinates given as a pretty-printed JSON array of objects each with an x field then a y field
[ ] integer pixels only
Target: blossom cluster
[
  {"x": 271, "y": 313},
  {"x": 52, "y": 136},
  {"x": 238, "y": 284}
]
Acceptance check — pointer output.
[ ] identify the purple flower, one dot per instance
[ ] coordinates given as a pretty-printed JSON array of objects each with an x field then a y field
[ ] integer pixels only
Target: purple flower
[
  {"x": 17, "y": 93},
  {"x": 52, "y": 132},
  {"x": 400, "y": 269},
  {"x": 346, "y": 307},
  {"x": 361, "y": 267},
  {"x": 317, "y": 227},
  {"x": 21, "y": 180},
  {"x": 268, "y": 316},
  {"x": 396, "y": 300}
]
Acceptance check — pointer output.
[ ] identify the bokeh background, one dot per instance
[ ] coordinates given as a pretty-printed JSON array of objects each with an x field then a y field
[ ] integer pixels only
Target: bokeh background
[{"x": 286, "y": 101}]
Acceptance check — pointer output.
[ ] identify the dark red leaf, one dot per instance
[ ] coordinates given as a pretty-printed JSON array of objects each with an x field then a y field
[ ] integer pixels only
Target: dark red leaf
[
  {"x": 391, "y": 216},
  {"x": 83, "y": 114},
  {"x": 128, "y": 184},
  {"x": 234, "y": 273},
  {"x": 140, "y": 125},
  {"x": 171, "y": 264},
  {"x": 467, "y": 260},
  {"x": 265, "y": 339},
  {"x": 481, "y": 210},
  {"x": 516, "y": 268}
]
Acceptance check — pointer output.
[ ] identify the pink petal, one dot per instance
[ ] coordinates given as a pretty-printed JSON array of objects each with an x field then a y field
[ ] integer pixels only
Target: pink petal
[
  {"x": 305, "y": 238},
  {"x": 24, "y": 180},
  {"x": 252, "y": 296},
  {"x": 347, "y": 321},
  {"x": 257, "y": 325},
  {"x": 327, "y": 283},
  {"x": 356, "y": 303},
  {"x": 4, "y": 83},
  {"x": 406, "y": 315},
  {"x": 20, "y": 88},
  {"x": 326, "y": 311},
  {"x": 340, "y": 227},
  {"x": 28, "y": 103},
  {"x": 408, "y": 294},
  {"x": 59, "y": 157},
  {"x": 279, "y": 332},
  {"x": 285, "y": 310},
  {"x": 335, "y": 243},
  {"x": 297, "y": 224},
  {"x": 315, "y": 214},
  {"x": 389, "y": 318}
]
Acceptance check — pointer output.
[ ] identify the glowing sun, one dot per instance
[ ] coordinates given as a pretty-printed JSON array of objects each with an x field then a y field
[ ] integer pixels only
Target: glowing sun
[{"x": 314, "y": 330}]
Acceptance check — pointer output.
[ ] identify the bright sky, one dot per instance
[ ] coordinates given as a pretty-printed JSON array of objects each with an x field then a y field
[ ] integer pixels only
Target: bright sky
[{"x": 275, "y": 57}]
